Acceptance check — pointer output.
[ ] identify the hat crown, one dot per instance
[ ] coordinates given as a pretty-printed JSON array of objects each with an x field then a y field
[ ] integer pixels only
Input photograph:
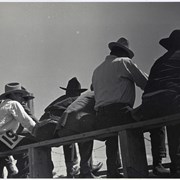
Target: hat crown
[
  {"x": 124, "y": 42},
  {"x": 73, "y": 84},
  {"x": 12, "y": 87},
  {"x": 172, "y": 42},
  {"x": 175, "y": 34}
]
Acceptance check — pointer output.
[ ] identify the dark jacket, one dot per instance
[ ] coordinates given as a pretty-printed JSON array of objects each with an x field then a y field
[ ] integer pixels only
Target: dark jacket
[
  {"x": 165, "y": 73},
  {"x": 57, "y": 107}
]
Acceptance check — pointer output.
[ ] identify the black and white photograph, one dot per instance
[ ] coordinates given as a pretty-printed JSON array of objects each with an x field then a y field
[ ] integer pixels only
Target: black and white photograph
[{"x": 89, "y": 89}]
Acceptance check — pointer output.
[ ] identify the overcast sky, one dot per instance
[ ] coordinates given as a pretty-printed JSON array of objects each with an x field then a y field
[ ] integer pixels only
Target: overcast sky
[{"x": 43, "y": 45}]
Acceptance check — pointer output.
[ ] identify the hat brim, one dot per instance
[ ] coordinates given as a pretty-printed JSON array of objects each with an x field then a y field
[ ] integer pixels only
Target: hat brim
[
  {"x": 3, "y": 96},
  {"x": 28, "y": 97},
  {"x": 115, "y": 44},
  {"x": 166, "y": 43},
  {"x": 77, "y": 90}
]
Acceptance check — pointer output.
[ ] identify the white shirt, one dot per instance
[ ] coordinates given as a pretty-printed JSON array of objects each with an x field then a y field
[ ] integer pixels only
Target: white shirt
[
  {"x": 114, "y": 81},
  {"x": 12, "y": 114},
  {"x": 84, "y": 104}
]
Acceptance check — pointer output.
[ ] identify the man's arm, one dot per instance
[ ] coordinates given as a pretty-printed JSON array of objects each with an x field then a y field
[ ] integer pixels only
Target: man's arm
[
  {"x": 21, "y": 116},
  {"x": 139, "y": 77}
]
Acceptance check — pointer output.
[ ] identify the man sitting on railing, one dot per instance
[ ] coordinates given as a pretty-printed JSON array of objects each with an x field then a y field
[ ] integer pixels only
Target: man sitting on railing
[
  {"x": 12, "y": 115},
  {"x": 114, "y": 88},
  {"x": 56, "y": 109},
  {"x": 162, "y": 94}
]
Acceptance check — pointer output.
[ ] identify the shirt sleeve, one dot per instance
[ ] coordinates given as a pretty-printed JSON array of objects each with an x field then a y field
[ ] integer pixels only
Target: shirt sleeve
[
  {"x": 139, "y": 77},
  {"x": 21, "y": 116}
]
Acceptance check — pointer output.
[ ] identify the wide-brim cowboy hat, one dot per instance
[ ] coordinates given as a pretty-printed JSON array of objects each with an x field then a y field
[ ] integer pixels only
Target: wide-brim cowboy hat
[
  {"x": 74, "y": 86},
  {"x": 14, "y": 87},
  {"x": 122, "y": 43},
  {"x": 173, "y": 41}
]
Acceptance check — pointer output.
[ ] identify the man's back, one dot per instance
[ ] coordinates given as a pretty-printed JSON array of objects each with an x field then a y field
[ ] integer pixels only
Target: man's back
[
  {"x": 165, "y": 73},
  {"x": 114, "y": 81}
]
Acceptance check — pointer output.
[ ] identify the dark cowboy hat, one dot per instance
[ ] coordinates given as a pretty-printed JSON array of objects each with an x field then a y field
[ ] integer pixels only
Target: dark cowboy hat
[
  {"x": 74, "y": 85},
  {"x": 122, "y": 43},
  {"x": 28, "y": 96},
  {"x": 173, "y": 41},
  {"x": 14, "y": 87}
]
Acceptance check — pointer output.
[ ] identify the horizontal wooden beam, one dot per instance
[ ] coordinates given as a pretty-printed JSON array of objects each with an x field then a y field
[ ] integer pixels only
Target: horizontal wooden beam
[{"x": 99, "y": 134}]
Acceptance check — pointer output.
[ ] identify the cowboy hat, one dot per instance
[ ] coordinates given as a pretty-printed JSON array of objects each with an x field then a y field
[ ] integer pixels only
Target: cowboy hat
[
  {"x": 122, "y": 43},
  {"x": 74, "y": 85},
  {"x": 28, "y": 96},
  {"x": 14, "y": 87},
  {"x": 173, "y": 41}
]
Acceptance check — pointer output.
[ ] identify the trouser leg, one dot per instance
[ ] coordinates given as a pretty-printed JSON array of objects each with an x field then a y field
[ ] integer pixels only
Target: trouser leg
[
  {"x": 85, "y": 150},
  {"x": 75, "y": 159},
  {"x": 158, "y": 145},
  {"x": 2, "y": 164},
  {"x": 69, "y": 154},
  {"x": 173, "y": 134},
  {"x": 111, "y": 154}
]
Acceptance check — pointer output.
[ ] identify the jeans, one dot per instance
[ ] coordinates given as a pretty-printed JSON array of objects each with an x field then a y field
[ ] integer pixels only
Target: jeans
[
  {"x": 70, "y": 155},
  {"x": 163, "y": 105},
  {"x": 109, "y": 116},
  {"x": 85, "y": 151}
]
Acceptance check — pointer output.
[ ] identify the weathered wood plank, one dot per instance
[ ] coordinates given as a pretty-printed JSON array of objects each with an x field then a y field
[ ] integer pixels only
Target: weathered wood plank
[
  {"x": 143, "y": 125},
  {"x": 133, "y": 154},
  {"x": 39, "y": 164}
]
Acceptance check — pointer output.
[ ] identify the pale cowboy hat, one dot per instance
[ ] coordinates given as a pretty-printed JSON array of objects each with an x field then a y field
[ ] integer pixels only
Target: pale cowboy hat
[
  {"x": 28, "y": 96},
  {"x": 74, "y": 85},
  {"x": 173, "y": 41},
  {"x": 14, "y": 87},
  {"x": 122, "y": 43}
]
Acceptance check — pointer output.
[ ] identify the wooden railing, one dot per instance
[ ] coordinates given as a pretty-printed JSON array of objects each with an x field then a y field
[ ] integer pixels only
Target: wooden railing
[{"x": 132, "y": 146}]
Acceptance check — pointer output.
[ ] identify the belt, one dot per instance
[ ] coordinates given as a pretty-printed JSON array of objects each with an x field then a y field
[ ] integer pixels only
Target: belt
[{"x": 112, "y": 107}]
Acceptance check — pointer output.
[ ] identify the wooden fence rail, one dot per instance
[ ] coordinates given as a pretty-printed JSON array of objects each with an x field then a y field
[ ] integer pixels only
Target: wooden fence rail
[{"x": 132, "y": 146}]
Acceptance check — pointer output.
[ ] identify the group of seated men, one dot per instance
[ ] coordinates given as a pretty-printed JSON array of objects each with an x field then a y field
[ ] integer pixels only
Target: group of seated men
[{"x": 109, "y": 103}]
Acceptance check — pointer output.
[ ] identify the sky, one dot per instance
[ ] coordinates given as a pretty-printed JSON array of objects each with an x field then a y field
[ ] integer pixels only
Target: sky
[{"x": 44, "y": 44}]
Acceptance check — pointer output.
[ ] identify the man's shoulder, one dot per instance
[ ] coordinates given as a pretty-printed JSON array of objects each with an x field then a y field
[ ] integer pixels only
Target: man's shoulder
[
  {"x": 123, "y": 60},
  {"x": 61, "y": 103},
  {"x": 10, "y": 104}
]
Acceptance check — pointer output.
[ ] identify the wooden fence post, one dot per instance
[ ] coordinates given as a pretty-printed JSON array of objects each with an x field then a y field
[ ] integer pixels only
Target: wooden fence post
[
  {"x": 40, "y": 162},
  {"x": 133, "y": 153}
]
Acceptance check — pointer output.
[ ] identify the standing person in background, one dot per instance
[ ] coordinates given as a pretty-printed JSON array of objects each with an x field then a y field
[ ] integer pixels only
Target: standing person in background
[{"x": 113, "y": 83}]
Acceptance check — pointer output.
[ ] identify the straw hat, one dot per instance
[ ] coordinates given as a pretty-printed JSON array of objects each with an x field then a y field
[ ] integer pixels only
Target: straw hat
[{"x": 14, "y": 87}]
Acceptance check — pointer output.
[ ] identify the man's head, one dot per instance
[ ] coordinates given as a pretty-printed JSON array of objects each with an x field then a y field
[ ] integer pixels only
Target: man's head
[
  {"x": 121, "y": 48},
  {"x": 13, "y": 91},
  {"x": 26, "y": 97},
  {"x": 172, "y": 42},
  {"x": 73, "y": 88}
]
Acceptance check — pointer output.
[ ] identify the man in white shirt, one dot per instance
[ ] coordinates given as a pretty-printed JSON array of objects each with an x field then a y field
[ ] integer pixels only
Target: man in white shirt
[
  {"x": 113, "y": 83},
  {"x": 12, "y": 115}
]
